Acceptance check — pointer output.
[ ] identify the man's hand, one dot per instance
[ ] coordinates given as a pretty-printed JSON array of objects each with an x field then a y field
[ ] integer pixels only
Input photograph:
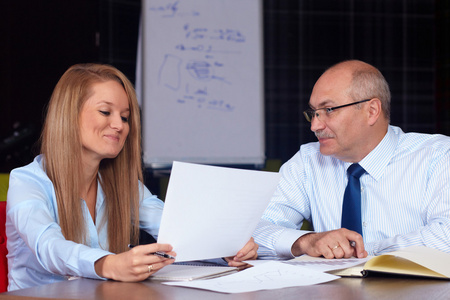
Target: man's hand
[{"x": 340, "y": 243}]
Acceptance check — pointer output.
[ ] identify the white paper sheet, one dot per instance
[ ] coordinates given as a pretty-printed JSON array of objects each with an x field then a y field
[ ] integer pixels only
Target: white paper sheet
[
  {"x": 324, "y": 265},
  {"x": 267, "y": 276},
  {"x": 210, "y": 211},
  {"x": 176, "y": 272}
]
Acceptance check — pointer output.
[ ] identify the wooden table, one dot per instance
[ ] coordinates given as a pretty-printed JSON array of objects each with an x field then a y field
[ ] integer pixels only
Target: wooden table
[{"x": 341, "y": 289}]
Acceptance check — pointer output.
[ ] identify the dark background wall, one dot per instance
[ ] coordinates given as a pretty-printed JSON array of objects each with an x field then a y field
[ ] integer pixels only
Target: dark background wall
[{"x": 408, "y": 40}]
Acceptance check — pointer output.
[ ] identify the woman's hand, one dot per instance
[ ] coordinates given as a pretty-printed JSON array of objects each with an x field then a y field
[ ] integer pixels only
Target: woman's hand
[
  {"x": 136, "y": 264},
  {"x": 249, "y": 252}
]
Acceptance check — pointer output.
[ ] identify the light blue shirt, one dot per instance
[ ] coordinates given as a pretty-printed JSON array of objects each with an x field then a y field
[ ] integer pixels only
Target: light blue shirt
[
  {"x": 38, "y": 253},
  {"x": 405, "y": 196}
]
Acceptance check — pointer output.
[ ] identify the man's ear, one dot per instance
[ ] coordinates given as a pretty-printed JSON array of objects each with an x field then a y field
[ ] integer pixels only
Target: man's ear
[{"x": 374, "y": 111}]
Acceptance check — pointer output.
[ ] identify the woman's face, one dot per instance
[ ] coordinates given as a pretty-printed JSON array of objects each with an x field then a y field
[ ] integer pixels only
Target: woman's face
[{"x": 104, "y": 122}]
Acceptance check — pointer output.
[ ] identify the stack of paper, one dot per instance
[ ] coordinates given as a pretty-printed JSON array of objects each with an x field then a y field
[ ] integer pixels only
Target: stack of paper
[{"x": 189, "y": 272}]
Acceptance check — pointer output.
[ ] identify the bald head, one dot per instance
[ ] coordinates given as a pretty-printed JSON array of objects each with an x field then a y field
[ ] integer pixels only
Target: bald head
[
  {"x": 352, "y": 65},
  {"x": 366, "y": 82}
]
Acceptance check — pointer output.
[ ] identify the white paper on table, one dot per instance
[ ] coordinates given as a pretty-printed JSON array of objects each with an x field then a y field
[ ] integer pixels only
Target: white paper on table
[
  {"x": 267, "y": 276},
  {"x": 324, "y": 265},
  {"x": 210, "y": 211},
  {"x": 258, "y": 262}
]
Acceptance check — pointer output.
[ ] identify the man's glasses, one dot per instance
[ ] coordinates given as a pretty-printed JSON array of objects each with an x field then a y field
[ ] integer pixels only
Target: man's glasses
[{"x": 311, "y": 113}]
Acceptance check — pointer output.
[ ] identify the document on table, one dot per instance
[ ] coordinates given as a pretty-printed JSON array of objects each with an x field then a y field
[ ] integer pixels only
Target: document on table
[
  {"x": 176, "y": 272},
  {"x": 211, "y": 212},
  {"x": 324, "y": 265},
  {"x": 267, "y": 276}
]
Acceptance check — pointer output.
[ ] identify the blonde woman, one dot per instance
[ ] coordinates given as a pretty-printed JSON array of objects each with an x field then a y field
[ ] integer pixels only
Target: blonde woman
[{"x": 75, "y": 209}]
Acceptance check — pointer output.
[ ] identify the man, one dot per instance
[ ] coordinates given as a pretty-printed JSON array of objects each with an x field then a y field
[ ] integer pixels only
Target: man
[{"x": 404, "y": 189}]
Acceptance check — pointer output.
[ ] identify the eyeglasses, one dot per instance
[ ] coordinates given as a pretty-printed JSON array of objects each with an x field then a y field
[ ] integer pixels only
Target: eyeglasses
[{"x": 311, "y": 113}]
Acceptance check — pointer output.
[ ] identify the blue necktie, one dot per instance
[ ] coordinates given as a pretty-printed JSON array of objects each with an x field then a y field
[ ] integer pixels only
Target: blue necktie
[{"x": 351, "y": 208}]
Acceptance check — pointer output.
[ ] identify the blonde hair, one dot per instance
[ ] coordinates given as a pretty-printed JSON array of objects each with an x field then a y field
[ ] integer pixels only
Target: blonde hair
[{"x": 120, "y": 177}]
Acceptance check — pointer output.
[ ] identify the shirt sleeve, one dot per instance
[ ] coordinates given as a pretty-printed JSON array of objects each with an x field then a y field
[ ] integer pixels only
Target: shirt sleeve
[
  {"x": 33, "y": 217},
  {"x": 280, "y": 224},
  {"x": 435, "y": 213},
  {"x": 150, "y": 213}
]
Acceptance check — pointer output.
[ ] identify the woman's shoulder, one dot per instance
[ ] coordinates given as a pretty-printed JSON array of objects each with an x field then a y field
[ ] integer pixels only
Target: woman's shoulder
[
  {"x": 28, "y": 178},
  {"x": 34, "y": 169}
]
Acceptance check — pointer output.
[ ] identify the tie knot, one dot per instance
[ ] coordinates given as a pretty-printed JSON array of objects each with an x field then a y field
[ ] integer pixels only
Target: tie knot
[{"x": 355, "y": 170}]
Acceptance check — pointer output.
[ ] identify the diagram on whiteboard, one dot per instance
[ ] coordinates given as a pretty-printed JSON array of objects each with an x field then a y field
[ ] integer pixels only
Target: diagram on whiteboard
[
  {"x": 193, "y": 66},
  {"x": 203, "y": 77}
]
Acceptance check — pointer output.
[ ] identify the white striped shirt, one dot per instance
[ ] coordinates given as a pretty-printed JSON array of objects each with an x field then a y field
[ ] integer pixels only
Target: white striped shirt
[{"x": 405, "y": 195}]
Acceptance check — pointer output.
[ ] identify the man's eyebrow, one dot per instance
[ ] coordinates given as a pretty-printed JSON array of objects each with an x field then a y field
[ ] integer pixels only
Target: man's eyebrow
[{"x": 322, "y": 104}]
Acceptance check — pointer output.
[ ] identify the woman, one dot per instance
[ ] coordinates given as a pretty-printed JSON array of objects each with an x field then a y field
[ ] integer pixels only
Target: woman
[{"x": 75, "y": 209}]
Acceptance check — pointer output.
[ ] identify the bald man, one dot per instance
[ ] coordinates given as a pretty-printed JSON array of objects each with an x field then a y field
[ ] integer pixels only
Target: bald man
[{"x": 403, "y": 185}]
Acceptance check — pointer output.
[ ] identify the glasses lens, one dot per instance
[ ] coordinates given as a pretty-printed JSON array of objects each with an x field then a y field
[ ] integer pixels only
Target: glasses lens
[{"x": 309, "y": 114}]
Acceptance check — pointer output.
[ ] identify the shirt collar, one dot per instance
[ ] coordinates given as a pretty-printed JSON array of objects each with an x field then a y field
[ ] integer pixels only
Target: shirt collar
[{"x": 377, "y": 160}]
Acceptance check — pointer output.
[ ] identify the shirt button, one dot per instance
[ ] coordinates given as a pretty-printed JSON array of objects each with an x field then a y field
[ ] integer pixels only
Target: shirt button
[{"x": 364, "y": 224}]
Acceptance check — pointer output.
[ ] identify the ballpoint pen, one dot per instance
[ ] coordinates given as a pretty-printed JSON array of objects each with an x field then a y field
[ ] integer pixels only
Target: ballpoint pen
[{"x": 157, "y": 253}]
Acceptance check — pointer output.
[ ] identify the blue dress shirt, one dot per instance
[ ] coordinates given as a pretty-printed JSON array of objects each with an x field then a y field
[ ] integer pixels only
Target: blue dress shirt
[
  {"x": 405, "y": 196},
  {"x": 38, "y": 252}
]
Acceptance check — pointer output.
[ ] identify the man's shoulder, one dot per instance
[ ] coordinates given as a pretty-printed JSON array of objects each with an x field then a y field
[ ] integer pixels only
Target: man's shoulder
[{"x": 415, "y": 141}]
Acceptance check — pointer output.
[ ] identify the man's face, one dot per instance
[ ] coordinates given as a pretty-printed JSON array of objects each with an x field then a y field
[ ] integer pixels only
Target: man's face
[{"x": 341, "y": 133}]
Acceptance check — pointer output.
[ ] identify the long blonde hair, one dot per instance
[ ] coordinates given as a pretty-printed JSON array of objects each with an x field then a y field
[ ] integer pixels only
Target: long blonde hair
[{"x": 61, "y": 147}]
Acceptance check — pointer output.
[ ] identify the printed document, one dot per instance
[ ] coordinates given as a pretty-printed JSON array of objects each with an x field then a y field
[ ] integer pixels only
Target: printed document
[
  {"x": 211, "y": 212},
  {"x": 267, "y": 276}
]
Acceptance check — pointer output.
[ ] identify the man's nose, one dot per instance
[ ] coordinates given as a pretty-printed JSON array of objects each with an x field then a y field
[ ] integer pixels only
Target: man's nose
[{"x": 317, "y": 124}]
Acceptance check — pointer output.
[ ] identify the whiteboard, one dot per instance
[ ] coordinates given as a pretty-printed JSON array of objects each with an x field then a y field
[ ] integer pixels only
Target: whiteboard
[{"x": 202, "y": 82}]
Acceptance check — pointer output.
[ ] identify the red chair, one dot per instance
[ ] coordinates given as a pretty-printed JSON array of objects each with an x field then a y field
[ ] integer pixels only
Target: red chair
[{"x": 3, "y": 250}]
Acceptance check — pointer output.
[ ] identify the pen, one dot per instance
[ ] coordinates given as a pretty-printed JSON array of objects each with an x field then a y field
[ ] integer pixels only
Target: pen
[
  {"x": 162, "y": 254},
  {"x": 157, "y": 253}
]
